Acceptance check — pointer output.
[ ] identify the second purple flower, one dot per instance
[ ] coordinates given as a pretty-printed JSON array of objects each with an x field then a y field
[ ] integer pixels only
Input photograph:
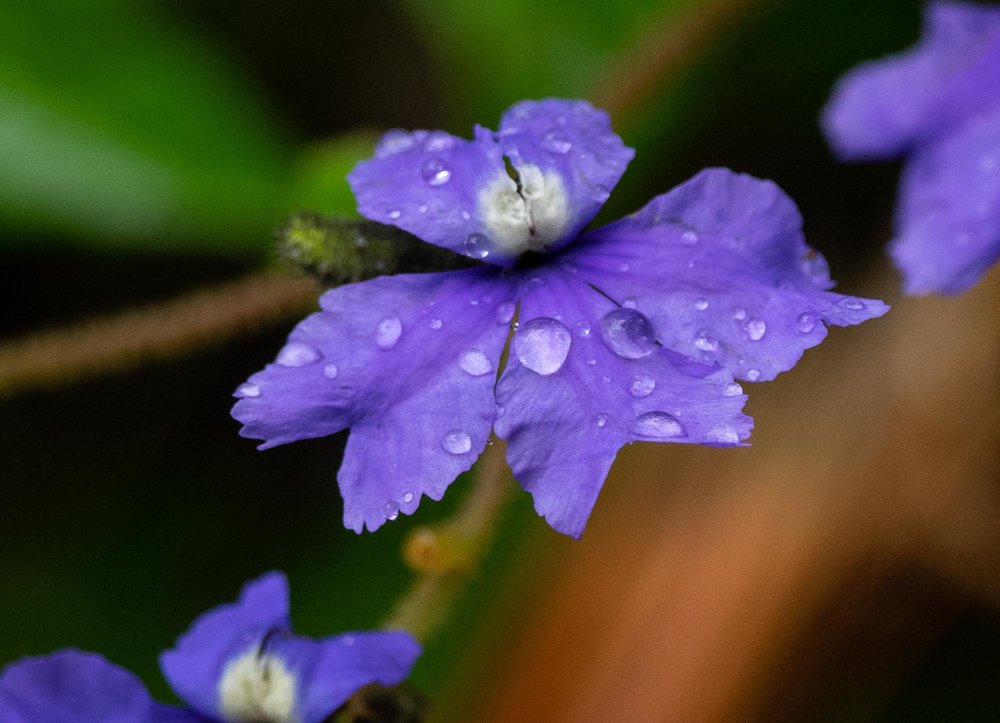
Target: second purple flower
[{"x": 636, "y": 331}]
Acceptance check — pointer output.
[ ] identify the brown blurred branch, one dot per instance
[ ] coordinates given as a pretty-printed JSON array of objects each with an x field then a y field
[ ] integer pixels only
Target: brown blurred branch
[
  {"x": 160, "y": 331},
  {"x": 667, "y": 48}
]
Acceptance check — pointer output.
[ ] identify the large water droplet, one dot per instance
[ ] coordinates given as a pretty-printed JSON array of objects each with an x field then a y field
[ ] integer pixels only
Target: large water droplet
[
  {"x": 390, "y": 510},
  {"x": 542, "y": 345},
  {"x": 474, "y": 362},
  {"x": 555, "y": 141},
  {"x": 297, "y": 354},
  {"x": 642, "y": 385},
  {"x": 658, "y": 425},
  {"x": 476, "y": 246},
  {"x": 628, "y": 333},
  {"x": 387, "y": 332},
  {"x": 435, "y": 172},
  {"x": 505, "y": 312},
  {"x": 806, "y": 323},
  {"x": 456, "y": 442},
  {"x": 247, "y": 391},
  {"x": 722, "y": 434},
  {"x": 732, "y": 390},
  {"x": 705, "y": 342},
  {"x": 755, "y": 329},
  {"x": 330, "y": 371}
]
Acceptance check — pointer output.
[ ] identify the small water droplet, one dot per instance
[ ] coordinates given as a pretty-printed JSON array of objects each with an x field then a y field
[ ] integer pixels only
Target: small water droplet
[
  {"x": 465, "y": 216},
  {"x": 657, "y": 425},
  {"x": 591, "y": 361},
  {"x": 476, "y": 246},
  {"x": 394, "y": 141},
  {"x": 705, "y": 342},
  {"x": 387, "y": 332},
  {"x": 642, "y": 386},
  {"x": 394, "y": 214},
  {"x": 732, "y": 390},
  {"x": 390, "y": 510},
  {"x": 689, "y": 238},
  {"x": 474, "y": 362},
  {"x": 542, "y": 345},
  {"x": 701, "y": 304},
  {"x": 407, "y": 497},
  {"x": 624, "y": 268},
  {"x": 722, "y": 434},
  {"x": 753, "y": 374},
  {"x": 755, "y": 329},
  {"x": 435, "y": 323},
  {"x": 456, "y": 442},
  {"x": 628, "y": 333},
  {"x": 473, "y": 302},
  {"x": 601, "y": 419},
  {"x": 851, "y": 304},
  {"x": 423, "y": 208},
  {"x": 567, "y": 266},
  {"x": 555, "y": 141},
  {"x": 505, "y": 312},
  {"x": 247, "y": 391},
  {"x": 601, "y": 193},
  {"x": 435, "y": 172},
  {"x": 606, "y": 379},
  {"x": 583, "y": 331},
  {"x": 297, "y": 354},
  {"x": 330, "y": 371},
  {"x": 806, "y": 323},
  {"x": 630, "y": 303},
  {"x": 739, "y": 313},
  {"x": 438, "y": 141}
]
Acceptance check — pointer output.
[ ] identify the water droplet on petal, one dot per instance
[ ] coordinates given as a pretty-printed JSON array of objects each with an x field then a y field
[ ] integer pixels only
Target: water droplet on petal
[
  {"x": 456, "y": 442},
  {"x": 435, "y": 323},
  {"x": 658, "y": 425},
  {"x": 851, "y": 304},
  {"x": 624, "y": 268},
  {"x": 330, "y": 371},
  {"x": 438, "y": 141},
  {"x": 435, "y": 172},
  {"x": 628, "y": 333},
  {"x": 732, "y": 390},
  {"x": 606, "y": 379},
  {"x": 722, "y": 434},
  {"x": 739, "y": 313},
  {"x": 753, "y": 374},
  {"x": 390, "y": 510},
  {"x": 755, "y": 329},
  {"x": 474, "y": 362},
  {"x": 247, "y": 391},
  {"x": 297, "y": 354},
  {"x": 705, "y": 342},
  {"x": 630, "y": 303},
  {"x": 601, "y": 193},
  {"x": 701, "y": 304},
  {"x": 689, "y": 238},
  {"x": 542, "y": 345},
  {"x": 407, "y": 497},
  {"x": 423, "y": 208},
  {"x": 505, "y": 312},
  {"x": 806, "y": 323},
  {"x": 394, "y": 214},
  {"x": 583, "y": 330},
  {"x": 387, "y": 332},
  {"x": 591, "y": 361},
  {"x": 601, "y": 419},
  {"x": 642, "y": 386},
  {"x": 555, "y": 141},
  {"x": 476, "y": 246}
]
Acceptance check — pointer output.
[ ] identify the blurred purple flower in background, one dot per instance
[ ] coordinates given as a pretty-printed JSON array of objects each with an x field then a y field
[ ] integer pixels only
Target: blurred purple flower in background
[
  {"x": 630, "y": 332},
  {"x": 238, "y": 662},
  {"x": 938, "y": 106}
]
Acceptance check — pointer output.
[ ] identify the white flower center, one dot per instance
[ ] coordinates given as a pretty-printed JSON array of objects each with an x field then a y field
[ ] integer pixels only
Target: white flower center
[
  {"x": 257, "y": 688},
  {"x": 525, "y": 215}
]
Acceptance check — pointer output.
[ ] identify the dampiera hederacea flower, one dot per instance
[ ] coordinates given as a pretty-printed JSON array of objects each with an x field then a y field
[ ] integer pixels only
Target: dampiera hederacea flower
[
  {"x": 938, "y": 106},
  {"x": 239, "y": 663},
  {"x": 631, "y": 332}
]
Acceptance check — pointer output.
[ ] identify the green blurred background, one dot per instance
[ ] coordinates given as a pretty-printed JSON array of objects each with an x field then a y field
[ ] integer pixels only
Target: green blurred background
[{"x": 150, "y": 148}]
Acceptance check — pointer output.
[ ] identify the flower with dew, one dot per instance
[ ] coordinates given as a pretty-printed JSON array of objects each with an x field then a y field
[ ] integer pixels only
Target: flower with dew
[
  {"x": 239, "y": 663},
  {"x": 937, "y": 106},
  {"x": 629, "y": 332}
]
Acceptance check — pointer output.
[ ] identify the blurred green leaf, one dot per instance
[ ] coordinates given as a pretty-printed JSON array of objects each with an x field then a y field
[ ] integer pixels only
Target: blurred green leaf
[
  {"x": 120, "y": 126},
  {"x": 319, "y": 178}
]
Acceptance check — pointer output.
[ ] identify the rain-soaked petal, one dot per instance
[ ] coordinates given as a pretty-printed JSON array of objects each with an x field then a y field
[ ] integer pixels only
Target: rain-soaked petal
[
  {"x": 720, "y": 269},
  {"x": 565, "y": 427},
  {"x": 405, "y": 350}
]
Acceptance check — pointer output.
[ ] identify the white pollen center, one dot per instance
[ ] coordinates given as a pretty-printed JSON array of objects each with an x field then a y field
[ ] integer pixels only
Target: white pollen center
[
  {"x": 257, "y": 688},
  {"x": 526, "y": 218}
]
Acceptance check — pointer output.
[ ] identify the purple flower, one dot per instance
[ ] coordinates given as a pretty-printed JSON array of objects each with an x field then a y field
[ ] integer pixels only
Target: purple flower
[
  {"x": 938, "y": 106},
  {"x": 238, "y": 662},
  {"x": 630, "y": 332}
]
